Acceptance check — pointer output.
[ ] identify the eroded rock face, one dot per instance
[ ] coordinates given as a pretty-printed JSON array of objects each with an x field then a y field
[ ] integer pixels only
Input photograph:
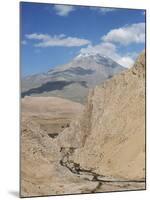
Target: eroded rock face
[{"x": 110, "y": 136}]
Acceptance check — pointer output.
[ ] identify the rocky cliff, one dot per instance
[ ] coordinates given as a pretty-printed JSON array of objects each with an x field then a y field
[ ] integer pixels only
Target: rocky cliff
[{"x": 109, "y": 138}]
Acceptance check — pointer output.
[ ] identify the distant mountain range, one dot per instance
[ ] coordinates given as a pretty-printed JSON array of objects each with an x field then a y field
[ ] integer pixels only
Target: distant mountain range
[{"x": 72, "y": 80}]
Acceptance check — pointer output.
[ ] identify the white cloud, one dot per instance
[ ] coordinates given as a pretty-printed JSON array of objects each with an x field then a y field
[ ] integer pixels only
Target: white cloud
[
  {"x": 106, "y": 10},
  {"x": 38, "y": 36},
  {"x": 125, "y": 61},
  {"x": 103, "y": 10},
  {"x": 126, "y": 35},
  {"x": 63, "y": 10},
  {"x": 102, "y": 48},
  {"x": 57, "y": 40},
  {"x": 110, "y": 50}
]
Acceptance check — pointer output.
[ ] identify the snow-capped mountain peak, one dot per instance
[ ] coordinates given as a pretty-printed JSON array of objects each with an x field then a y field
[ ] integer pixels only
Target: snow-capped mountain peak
[
  {"x": 84, "y": 71},
  {"x": 92, "y": 55},
  {"x": 83, "y": 55}
]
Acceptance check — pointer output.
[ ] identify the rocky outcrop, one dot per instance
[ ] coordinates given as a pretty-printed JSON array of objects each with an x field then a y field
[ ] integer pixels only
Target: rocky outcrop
[{"x": 109, "y": 138}]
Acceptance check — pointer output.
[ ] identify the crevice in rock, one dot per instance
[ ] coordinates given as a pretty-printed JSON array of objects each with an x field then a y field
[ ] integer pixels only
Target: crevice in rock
[
  {"x": 53, "y": 135},
  {"x": 88, "y": 174}
]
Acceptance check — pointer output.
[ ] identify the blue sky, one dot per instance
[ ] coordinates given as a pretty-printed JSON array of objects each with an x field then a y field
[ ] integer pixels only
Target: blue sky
[{"x": 52, "y": 35}]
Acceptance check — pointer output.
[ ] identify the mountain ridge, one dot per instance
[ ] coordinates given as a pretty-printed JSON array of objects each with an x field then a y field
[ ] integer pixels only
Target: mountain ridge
[{"x": 93, "y": 69}]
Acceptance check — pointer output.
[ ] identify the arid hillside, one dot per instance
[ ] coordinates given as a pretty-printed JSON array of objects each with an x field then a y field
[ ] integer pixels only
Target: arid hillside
[
  {"x": 49, "y": 106},
  {"x": 42, "y": 120},
  {"x": 52, "y": 114},
  {"x": 109, "y": 138},
  {"x": 65, "y": 150}
]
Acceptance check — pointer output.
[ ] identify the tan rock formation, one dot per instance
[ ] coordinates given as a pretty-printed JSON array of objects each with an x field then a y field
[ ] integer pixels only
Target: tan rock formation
[{"x": 110, "y": 136}]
